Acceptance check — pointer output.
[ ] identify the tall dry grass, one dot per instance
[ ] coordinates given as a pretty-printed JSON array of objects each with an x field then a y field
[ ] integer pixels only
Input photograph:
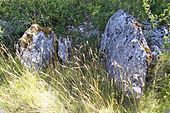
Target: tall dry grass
[{"x": 81, "y": 86}]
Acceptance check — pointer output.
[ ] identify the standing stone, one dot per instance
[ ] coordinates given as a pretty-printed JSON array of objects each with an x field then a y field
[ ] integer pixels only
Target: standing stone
[
  {"x": 125, "y": 53},
  {"x": 36, "y": 48},
  {"x": 64, "y": 49}
]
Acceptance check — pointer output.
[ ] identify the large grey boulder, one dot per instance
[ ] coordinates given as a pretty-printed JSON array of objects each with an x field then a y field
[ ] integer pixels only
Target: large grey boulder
[{"x": 125, "y": 53}]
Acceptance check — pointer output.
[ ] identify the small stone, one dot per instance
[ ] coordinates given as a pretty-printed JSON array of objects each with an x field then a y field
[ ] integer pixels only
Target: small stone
[
  {"x": 86, "y": 29},
  {"x": 154, "y": 38}
]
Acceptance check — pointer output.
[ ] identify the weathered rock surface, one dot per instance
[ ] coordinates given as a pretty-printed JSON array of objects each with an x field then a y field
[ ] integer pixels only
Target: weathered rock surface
[
  {"x": 64, "y": 49},
  {"x": 154, "y": 38},
  {"x": 125, "y": 53},
  {"x": 86, "y": 29},
  {"x": 38, "y": 47},
  {"x": 35, "y": 48}
]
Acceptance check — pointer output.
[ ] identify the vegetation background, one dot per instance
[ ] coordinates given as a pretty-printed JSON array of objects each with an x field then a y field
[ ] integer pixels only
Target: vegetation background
[{"x": 82, "y": 86}]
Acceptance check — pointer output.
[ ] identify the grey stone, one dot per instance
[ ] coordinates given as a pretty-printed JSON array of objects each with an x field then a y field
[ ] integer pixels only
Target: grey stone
[
  {"x": 125, "y": 53},
  {"x": 38, "y": 47},
  {"x": 154, "y": 38},
  {"x": 86, "y": 29},
  {"x": 160, "y": 32},
  {"x": 64, "y": 49},
  {"x": 146, "y": 26},
  {"x": 6, "y": 27},
  {"x": 38, "y": 53}
]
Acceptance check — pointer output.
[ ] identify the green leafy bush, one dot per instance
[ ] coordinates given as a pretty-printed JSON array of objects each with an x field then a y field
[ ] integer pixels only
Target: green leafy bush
[
  {"x": 83, "y": 86},
  {"x": 157, "y": 12}
]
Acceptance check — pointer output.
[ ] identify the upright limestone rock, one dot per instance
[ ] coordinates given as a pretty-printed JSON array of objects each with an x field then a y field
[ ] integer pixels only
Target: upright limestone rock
[
  {"x": 125, "y": 53},
  {"x": 64, "y": 49},
  {"x": 36, "y": 48}
]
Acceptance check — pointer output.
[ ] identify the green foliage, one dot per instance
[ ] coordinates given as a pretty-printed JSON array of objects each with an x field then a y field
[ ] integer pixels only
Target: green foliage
[
  {"x": 82, "y": 86},
  {"x": 134, "y": 8},
  {"x": 101, "y": 11},
  {"x": 52, "y": 12},
  {"x": 158, "y": 12},
  {"x": 161, "y": 82},
  {"x": 154, "y": 11},
  {"x": 58, "y": 14}
]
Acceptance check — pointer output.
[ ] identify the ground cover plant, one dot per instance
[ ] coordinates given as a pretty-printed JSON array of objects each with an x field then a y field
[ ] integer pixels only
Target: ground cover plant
[{"x": 83, "y": 85}]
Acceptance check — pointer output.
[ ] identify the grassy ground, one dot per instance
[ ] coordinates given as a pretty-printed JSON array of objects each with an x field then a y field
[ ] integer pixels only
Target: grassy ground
[{"x": 82, "y": 86}]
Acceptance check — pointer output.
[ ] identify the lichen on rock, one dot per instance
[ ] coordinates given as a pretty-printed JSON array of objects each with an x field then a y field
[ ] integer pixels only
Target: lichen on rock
[
  {"x": 39, "y": 47},
  {"x": 125, "y": 53},
  {"x": 35, "y": 48},
  {"x": 64, "y": 49}
]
